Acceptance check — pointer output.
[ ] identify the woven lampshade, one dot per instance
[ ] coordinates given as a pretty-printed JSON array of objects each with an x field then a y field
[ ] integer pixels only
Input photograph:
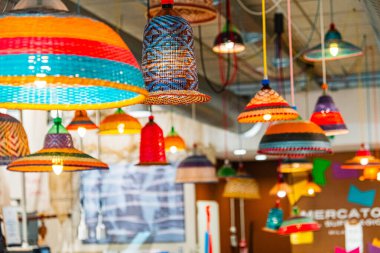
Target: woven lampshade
[
  {"x": 327, "y": 116},
  {"x": 280, "y": 189},
  {"x": 267, "y": 105},
  {"x": 229, "y": 41},
  {"x": 119, "y": 123},
  {"x": 64, "y": 61},
  {"x": 168, "y": 60},
  {"x": 152, "y": 145},
  {"x": 311, "y": 188},
  {"x": 295, "y": 138},
  {"x": 363, "y": 159},
  {"x": 371, "y": 174},
  {"x": 13, "y": 139},
  {"x": 58, "y": 151},
  {"x": 241, "y": 187},
  {"x": 196, "y": 169},
  {"x": 295, "y": 166},
  {"x": 335, "y": 48},
  {"x": 81, "y": 120},
  {"x": 226, "y": 170},
  {"x": 174, "y": 142},
  {"x": 275, "y": 218},
  {"x": 297, "y": 224},
  {"x": 195, "y": 12}
]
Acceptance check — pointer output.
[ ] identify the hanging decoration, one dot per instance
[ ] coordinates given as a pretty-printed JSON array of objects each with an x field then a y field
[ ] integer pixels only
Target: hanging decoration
[
  {"x": 168, "y": 60},
  {"x": 119, "y": 123},
  {"x": 152, "y": 145},
  {"x": 81, "y": 123},
  {"x": 311, "y": 188},
  {"x": 196, "y": 12},
  {"x": 64, "y": 61},
  {"x": 226, "y": 170},
  {"x": 281, "y": 189},
  {"x": 57, "y": 155},
  {"x": 295, "y": 166},
  {"x": 294, "y": 139},
  {"x": 275, "y": 218},
  {"x": 196, "y": 169},
  {"x": 14, "y": 141},
  {"x": 229, "y": 41},
  {"x": 173, "y": 142},
  {"x": 362, "y": 160},
  {"x": 241, "y": 186}
]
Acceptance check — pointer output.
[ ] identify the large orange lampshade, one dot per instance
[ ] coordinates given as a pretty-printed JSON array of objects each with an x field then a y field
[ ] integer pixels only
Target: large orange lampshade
[{"x": 119, "y": 123}]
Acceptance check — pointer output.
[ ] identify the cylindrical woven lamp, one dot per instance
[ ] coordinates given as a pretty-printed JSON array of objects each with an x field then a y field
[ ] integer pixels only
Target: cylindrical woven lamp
[
  {"x": 298, "y": 224},
  {"x": 174, "y": 142},
  {"x": 58, "y": 154},
  {"x": 119, "y": 123},
  {"x": 64, "y": 61},
  {"x": 168, "y": 60},
  {"x": 13, "y": 139},
  {"x": 226, "y": 170},
  {"x": 152, "y": 145},
  {"x": 327, "y": 116},
  {"x": 295, "y": 166},
  {"x": 196, "y": 12},
  {"x": 274, "y": 219},
  {"x": 363, "y": 159},
  {"x": 267, "y": 106},
  {"x": 81, "y": 122},
  {"x": 296, "y": 138}
]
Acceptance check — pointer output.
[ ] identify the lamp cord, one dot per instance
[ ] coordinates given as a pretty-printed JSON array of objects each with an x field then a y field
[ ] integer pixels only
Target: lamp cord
[
  {"x": 258, "y": 13},
  {"x": 375, "y": 106},
  {"x": 368, "y": 98},
  {"x": 324, "y": 85},
  {"x": 331, "y": 11},
  {"x": 290, "y": 37},
  {"x": 264, "y": 40}
]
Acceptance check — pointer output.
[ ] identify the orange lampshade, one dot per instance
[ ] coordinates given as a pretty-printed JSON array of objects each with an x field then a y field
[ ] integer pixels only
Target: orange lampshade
[
  {"x": 174, "y": 142},
  {"x": 119, "y": 123},
  {"x": 371, "y": 174},
  {"x": 281, "y": 188},
  {"x": 362, "y": 160},
  {"x": 295, "y": 166},
  {"x": 311, "y": 188},
  {"x": 81, "y": 119}
]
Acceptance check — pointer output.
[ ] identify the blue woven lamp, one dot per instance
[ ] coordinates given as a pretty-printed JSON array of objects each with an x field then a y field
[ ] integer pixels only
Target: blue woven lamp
[{"x": 168, "y": 60}]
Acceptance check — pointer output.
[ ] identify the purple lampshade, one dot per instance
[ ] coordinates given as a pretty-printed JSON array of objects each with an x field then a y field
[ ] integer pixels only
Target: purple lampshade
[{"x": 328, "y": 117}]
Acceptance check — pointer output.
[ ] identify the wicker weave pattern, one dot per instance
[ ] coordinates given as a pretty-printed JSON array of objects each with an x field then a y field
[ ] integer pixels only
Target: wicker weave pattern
[
  {"x": 81, "y": 119},
  {"x": 110, "y": 125},
  {"x": 13, "y": 139},
  {"x": 196, "y": 169},
  {"x": 241, "y": 187}
]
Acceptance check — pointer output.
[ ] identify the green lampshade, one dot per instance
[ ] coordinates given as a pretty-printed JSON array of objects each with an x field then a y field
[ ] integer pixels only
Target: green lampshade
[{"x": 226, "y": 170}]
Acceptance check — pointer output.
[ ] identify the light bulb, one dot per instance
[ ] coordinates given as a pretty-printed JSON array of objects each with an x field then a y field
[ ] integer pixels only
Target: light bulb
[
  {"x": 378, "y": 176},
  {"x": 364, "y": 161},
  {"x": 173, "y": 149},
  {"x": 81, "y": 131},
  {"x": 40, "y": 83},
  {"x": 240, "y": 152},
  {"x": 229, "y": 45},
  {"x": 120, "y": 128},
  {"x": 260, "y": 157},
  {"x": 310, "y": 191},
  {"x": 281, "y": 194},
  {"x": 334, "y": 49},
  {"x": 57, "y": 165},
  {"x": 267, "y": 117}
]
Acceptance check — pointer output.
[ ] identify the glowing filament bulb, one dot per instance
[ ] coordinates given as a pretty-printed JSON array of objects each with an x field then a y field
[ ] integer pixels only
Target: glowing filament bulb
[
  {"x": 364, "y": 161},
  {"x": 120, "y": 128},
  {"x": 229, "y": 45},
  {"x": 281, "y": 194},
  {"x": 310, "y": 191},
  {"x": 57, "y": 165},
  {"x": 81, "y": 131},
  {"x": 334, "y": 49},
  {"x": 267, "y": 117},
  {"x": 173, "y": 149}
]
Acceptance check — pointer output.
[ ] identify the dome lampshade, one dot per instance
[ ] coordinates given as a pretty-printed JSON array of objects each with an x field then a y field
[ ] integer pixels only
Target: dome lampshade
[
  {"x": 281, "y": 189},
  {"x": 174, "y": 142},
  {"x": 64, "y": 61},
  {"x": 362, "y": 160},
  {"x": 81, "y": 122},
  {"x": 119, "y": 123},
  {"x": 295, "y": 166},
  {"x": 229, "y": 41},
  {"x": 298, "y": 224},
  {"x": 226, "y": 170}
]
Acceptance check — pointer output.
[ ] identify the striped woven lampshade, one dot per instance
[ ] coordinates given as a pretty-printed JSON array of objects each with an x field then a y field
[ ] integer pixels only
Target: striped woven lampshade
[
  {"x": 196, "y": 169},
  {"x": 195, "y": 11},
  {"x": 266, "y": 106},
  {"x": 298, "y": 224},
  {"x": 327, "y": 116},
  {"x": 81, "y": 122},
  {"x": 295, "y": 166},
  {"x": 296, "y": 138},
  {"x": 58, "y": 154},
  {"x": 119, "y": 123},
  {"x": 362, "y": 160},
  {"x": 174, "y": 142},
  {"x": 226, "y": 170},
  {"x": 64, "y": 61},
  {"x": 14, "y": 141},
  {"x": 168, "y": 60},
  {"x": 241, "y": 186},
  {"x": 152, "y": 145}
]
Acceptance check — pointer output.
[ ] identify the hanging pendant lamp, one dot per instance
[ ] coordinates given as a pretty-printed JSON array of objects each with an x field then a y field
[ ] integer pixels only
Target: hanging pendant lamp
[
  {"x": 119, "y": 123},
  {"x": 241, "y": 186},
  {"x": 81, "y": 123},
  {"x": 57, "y": 155},
  {"x": 152, "y": 145},
  {"x": 226, "y": 170},
  {"x": 281, "y": 189},
  {"x": 275, "y": 218},
  {"x": 168, "y": 60},
  {"x": 362, "y": 160},
  {"x": 64, "y": 61},
  {"x": 13, "y": 139},
  {"x": 174, "y": 142},
  {"x": 196, "y": 12},
  {"x": 296, "y": 138},
  {"x": 295, "y": 166},
  {"x": 311, "y": 188},
  {"x": 371, "y": 174},
  {"x": 298, "y": 224}
]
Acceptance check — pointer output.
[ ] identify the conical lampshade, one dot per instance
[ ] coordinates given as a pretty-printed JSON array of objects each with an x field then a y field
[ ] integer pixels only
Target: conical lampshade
[
  {"x": 267, "y": 105},
  {"x": 275, "y": 219},
  {"x": 14, "y": 141},
  {"x": 311, "y": 188},
  {"x": 363, "y": 159},
  {"x": 229, "y": 41},
  {"x": 298, "y": 224},
  {"x": 119, "y": 123},
  {"x": 58, "y": 154},
  {"x": 64, "y": 61},
  {"x": 174, "y": 142},
  {"x": 152, "y": 145},
  {"x": 241, "y": 186},
  {"x": 295, "y": 166},
  {"x": 335, "y": 48},
  {"x": 168, "y": 60},
  {"x": 196, "y": 169},
  {"x": 371, "y": 174},
  {"x": 296, "y": 138},
  {"x": 226, "y": 170},
  {"x": 197, "y": 12},
  {"x": 81, "y": 122},
  {"x": 327, "y": 116},
  {"x": 281, "y": 189}
]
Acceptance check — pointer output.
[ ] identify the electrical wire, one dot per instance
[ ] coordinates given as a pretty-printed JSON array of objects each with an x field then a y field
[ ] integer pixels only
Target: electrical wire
[
  {"x": 290, "y": 37},
  {"x": 324, "y": 85},
  {"x": 264, "y": 40},
  {"x": 258, "y": 13}
]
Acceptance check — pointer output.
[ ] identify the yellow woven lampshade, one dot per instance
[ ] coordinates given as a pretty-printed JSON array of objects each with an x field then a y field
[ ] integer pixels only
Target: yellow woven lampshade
[
  {"x": 295, "y": 166},
  {"x": 242, "y": 187},
  {"x": 119, "y": 123},
  {"x": 281, "y": 188}
]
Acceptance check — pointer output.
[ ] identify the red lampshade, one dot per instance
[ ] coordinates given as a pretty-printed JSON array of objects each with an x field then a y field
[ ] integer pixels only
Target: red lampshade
[{"x": 152, "y": 145}]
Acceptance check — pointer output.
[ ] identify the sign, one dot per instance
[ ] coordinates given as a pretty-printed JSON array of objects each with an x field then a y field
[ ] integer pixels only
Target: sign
[{"x": 12, "y": 225}]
